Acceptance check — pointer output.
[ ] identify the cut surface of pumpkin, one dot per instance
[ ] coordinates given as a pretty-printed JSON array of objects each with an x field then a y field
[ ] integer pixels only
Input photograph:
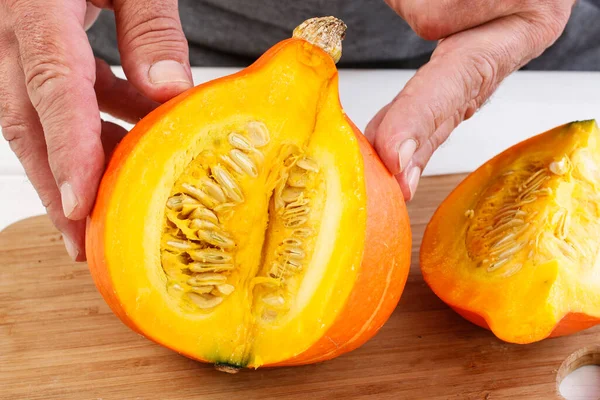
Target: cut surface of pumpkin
[
  {"x": 514, "y": 247},
  {"x": 247, "y": 222}
]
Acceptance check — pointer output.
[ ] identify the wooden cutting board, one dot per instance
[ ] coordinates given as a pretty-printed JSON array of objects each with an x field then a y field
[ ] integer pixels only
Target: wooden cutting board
[{"x": 59, "y": 340}]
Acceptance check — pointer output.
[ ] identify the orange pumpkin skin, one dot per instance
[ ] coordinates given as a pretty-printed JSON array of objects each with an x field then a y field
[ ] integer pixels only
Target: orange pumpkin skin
[
  {"x": 531, "y": 306},
  {"x": 380, "y": 277}
]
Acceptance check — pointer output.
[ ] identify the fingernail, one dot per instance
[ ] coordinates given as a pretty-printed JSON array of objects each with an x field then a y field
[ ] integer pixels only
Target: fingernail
[
  {"x": 405, "y": 152},
  {"x": 68, "y": 198},
  {"x": 413, "y": 180},
  {"x": 168, "y": 71},
  {"x": 91, "y": 15},
  {"x": 71, "y": 248}
]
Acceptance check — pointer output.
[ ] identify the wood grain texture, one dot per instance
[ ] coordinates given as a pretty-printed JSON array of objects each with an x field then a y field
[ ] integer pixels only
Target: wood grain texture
[{"x": 59, "y": 340}]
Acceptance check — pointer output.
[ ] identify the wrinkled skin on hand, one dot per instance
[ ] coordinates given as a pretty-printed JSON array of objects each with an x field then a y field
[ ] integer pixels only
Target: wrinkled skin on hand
[
  {"x": 52, "y": 91},
  {"x": 480, "y": 43}
]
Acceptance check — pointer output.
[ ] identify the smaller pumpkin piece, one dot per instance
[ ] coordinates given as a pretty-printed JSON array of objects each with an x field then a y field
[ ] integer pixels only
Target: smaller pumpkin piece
[{"x": 528, "y": 257}]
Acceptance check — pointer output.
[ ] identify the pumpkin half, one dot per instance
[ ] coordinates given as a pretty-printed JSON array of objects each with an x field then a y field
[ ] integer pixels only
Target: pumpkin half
[
  {"x": 514, "y": 248},
  {"x": 248, "y": 222}
]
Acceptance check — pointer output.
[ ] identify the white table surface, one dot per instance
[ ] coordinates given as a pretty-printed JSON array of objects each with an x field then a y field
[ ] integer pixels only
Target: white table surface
[{"x": 525, "y": 104}]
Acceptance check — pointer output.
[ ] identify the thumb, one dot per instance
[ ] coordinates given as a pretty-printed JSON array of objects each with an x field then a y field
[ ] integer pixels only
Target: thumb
[{"x": 154, "y": 51}]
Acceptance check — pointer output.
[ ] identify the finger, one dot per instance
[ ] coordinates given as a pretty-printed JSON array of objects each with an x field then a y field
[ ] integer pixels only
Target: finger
[
  {"x": 154, "y": 51},
  {"x": 91, "y": 15},
  {"x": 373, "y": 125},
  {"x": 434, "y": 20},
  {"x": 463, "y": 71},
  {"x": 59, "y": 72},
  {"x": 112, "y": 134},
  {"x": 118, "y": 97},
  {"x": 409, "y": 178},
  {"x": 22, "y": 129}
]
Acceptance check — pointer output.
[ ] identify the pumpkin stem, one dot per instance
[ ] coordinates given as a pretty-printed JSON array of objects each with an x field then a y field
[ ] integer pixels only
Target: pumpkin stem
[{"x": 324, "y": 32}]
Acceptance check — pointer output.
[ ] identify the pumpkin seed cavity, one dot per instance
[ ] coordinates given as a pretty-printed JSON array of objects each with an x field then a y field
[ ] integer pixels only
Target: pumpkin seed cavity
[
  {"x": 199, "y": 255},
  {"x": 521, "y": 220}
]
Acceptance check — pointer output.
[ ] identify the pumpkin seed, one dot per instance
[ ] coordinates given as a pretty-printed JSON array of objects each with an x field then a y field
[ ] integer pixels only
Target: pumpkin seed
[
  {"x": 228, "y": 183},
  {"x": 177, "y": 202},
  {"x": 563, "y": 226},
  {"x": 511, "y": 251},
  {"x": 239, "y": 142},
  {"x": 210, "y": 267},
  {"x": 533, "y": 186},
  {"x": 295, "y": 221},
  {"x": 273, "y": 300},
  {"x": 532, "y": 177},
  {"x": 507, "y": 225},
  {"x": 298, "y": 203},
  {"x": 207, "y": 200},
  {"x": 497, "y": 265},
  {"x": 225, "y": 289},
  {"x": 302, "y": 232},
  {"x": 187, "y": 209},
  {"x": 213, "y": 189},
  {"x": 211, "y": 256},
  {"x": 508, "y": 213},
  {"x": 206, "y": 278},
  {"x": 224, "y": 208},
  {"x": 269, "y": 315},
  {"x": 278, "y": 192},
  {"x": 259, "y": 133},
  {"x": 308, "y": 164},
  {"x": 292, "y": 242},
  {"x": 276, "y": 270},
  {"x": 543, "y": 191},
  {"x": 578, "y": 247},
  {"x": 297, "y": 179},
  {"x": 503, "y": 241},
  {"x": 567, "y": 250},
  {"x": 560, "y": 167},
  {"x": 229, "y": 162},
  {"x": 295, "y": 211},
  {"x": 216, "y": 239},
  {"x": 291, "y": 194},
  {"x": 205, "y": 301},
  {"x": 293, "y": 264},
  {"x": 293, "y": 252},
  {"x": 244, "y": 162},
  {"x": 512, "y": 270},
  {"x": 205, "y": 214},
  {"x": 200, "y": 289},
  {"x": 203, "y": 224},
  {"x": 181, "y": 245}
]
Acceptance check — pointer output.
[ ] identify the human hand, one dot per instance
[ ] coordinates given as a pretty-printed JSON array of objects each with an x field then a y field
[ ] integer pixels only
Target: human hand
[
  {"x": 481, "y": 42},
  {"x": 52, "y": 91}
]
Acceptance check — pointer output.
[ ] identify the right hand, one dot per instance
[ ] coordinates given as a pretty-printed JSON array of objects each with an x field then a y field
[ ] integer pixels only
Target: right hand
[
  {"x": 479, "y": 44},
  {"x": 52, "y": 91}
]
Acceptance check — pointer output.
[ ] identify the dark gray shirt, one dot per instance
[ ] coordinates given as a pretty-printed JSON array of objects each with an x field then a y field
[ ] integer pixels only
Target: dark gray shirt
[{"x": 236, "y": 32}]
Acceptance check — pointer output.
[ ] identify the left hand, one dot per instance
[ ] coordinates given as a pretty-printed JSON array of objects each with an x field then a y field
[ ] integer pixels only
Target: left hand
[
  {"x": 52, "y": 91},
  {"x": 481, "y": 42}
]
